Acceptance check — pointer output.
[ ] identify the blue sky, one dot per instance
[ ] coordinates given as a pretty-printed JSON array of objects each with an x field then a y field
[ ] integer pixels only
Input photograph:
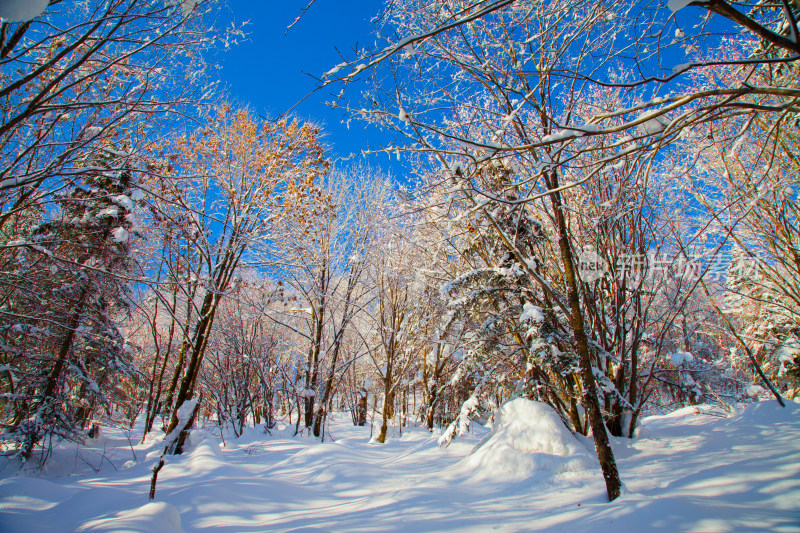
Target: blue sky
[{"x": 270, "y": 70}]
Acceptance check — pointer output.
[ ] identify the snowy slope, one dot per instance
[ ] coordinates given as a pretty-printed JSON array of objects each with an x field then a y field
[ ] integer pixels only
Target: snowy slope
[{"x": 687, "y": 471}]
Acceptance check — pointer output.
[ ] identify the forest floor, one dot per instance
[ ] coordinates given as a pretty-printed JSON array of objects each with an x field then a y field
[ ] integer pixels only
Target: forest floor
[{"x": 697, "y": 469}]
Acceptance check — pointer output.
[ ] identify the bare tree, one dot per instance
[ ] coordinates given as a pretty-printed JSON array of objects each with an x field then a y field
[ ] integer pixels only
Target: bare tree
[
  {"x": 396, "y": 314},
  {"x": 85, "y": 73},
  {"x": 225, "y": 188},
  {"x": 323, "y": 251}
]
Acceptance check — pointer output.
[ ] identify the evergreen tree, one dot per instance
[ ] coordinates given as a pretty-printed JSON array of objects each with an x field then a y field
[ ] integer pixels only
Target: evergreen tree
[{"x": 63, "y": 352}]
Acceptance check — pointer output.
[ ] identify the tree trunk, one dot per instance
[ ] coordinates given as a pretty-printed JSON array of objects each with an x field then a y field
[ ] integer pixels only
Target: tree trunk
[
  {"x": 66, "y": 344},
  {"x": 312, "y": 373},
  {"x": 319, "y": 419},
  {"x": 199, "y": 343},
  {"x": 154, "y": 397},
  {"x": 590, "y": 400},
  {"x": 388, "y": 400},
  {"x": 384, "y": 421},
  {"x": 363, "y": 406}
]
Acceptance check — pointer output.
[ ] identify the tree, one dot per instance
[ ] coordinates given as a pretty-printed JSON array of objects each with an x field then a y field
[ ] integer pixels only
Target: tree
[
  {"x": 477, "y": 83},
  {"x": 324, "y": 250},
  {"x": 396, "y": 313},
  {"x": 512, "y": 112},
  {"x": 743, "y": 179},
  {"x": 81, "y": 85},
  {"x": 84, "y": 73},
  {"x": 246, "y": 355},
  {"x": 222, "y": 189},
  {"x": 64, "y": 351}
]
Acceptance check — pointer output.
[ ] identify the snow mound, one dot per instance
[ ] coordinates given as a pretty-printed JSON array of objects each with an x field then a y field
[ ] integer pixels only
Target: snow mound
[
  {"x": 527, "y": 437},
  {"x": 33, "y": 494},
  {"x": 204, "y": 458},
  {"x": 764, "y": 413},
  {"x": 153, "y": 517}
]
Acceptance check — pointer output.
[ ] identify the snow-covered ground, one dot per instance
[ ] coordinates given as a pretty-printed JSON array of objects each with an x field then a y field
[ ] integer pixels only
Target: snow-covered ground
[{"x": 692, "y": 470}]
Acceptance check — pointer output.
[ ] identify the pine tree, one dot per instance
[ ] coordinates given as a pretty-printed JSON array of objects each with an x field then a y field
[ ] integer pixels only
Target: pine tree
[{"x": 63, "y": 350}]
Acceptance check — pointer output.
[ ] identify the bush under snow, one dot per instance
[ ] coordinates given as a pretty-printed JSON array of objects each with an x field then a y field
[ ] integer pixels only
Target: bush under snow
[{"x": 527, "y": 437}]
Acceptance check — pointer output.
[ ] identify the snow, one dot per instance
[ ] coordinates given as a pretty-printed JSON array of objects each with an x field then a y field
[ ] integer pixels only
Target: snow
[
  {"x": 403, "y": 116},
  {"x": 681, "y": 68},
  {"x": 22, "y": 10},
  {"x": 123, "y": 201},
  {"x": 111, "y": 211},
  {"x": 788, "y": 350},
  {"x": 531, "y": 312},
  {"x": 528, "y": 437},
  {"x": 184, "y": 414},
  {"x": 335, "y": 70},
  {"x": 696, "y": 469},
  {"x": 93, "y": 131},
  {"x": 154, "y": 517},
  {"x": 562, "y": 135},
  {"x": 653, "y": 126},
  {"x": 119, "y": 234},
  {"x": 678, "y": 358},
  {"x": 755, "y": 390},
  {"x": 677, "y": 5},
  {"x": 187, "y": 6}
]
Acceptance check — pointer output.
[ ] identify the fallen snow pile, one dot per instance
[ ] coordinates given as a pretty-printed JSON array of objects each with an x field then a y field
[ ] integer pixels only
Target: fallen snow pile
[
  {"x": 527, "y": 437},
  {"x": 153, "y": 517}
]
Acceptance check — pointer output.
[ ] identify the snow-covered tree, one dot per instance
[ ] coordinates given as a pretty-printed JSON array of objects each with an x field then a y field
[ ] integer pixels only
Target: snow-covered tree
[
  {"x": 323, "y": 250},
  {"x": 82, "y": 74},
  {"x": 65, "y": 289},
  {"x": 219, "y": 193},
  {"x": 396, "y": 314},
  {"x": 479, "y": 84}
]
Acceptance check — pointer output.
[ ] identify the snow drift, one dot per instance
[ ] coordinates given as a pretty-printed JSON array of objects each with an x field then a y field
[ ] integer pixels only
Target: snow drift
[
  {"x": 527, "y": 437},
  {"x": 154, "y": 517}
]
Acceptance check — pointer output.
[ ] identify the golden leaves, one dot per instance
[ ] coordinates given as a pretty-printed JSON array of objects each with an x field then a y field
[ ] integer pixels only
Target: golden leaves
[{"x": 244, "y": 164}]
